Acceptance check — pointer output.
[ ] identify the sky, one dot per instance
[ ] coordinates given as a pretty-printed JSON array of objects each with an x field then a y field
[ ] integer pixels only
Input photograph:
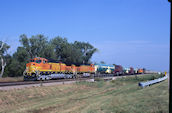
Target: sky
[{"x": 127, "y": 32}]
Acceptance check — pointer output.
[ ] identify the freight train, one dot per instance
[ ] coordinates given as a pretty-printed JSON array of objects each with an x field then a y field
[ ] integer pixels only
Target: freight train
[{"x": 41, "y": 69}]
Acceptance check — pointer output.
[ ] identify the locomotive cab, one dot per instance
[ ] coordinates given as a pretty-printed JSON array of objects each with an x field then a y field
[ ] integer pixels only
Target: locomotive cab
[{"x": 37, "y": 65}]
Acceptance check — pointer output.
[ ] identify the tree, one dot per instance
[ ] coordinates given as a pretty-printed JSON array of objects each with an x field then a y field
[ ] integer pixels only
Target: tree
[
  {"x": 86, "y": 49},
  {"x": 3, "y": 51},
  {"x": 49, "y": 52},
  {"x": 102, "y": 62},
  {"x": 35, "y": 46},
  {"x": 60, "y": 46},
  {"x": 26, "y": 45},
  {"x": 17, "y": 63},
  {"x": 8, "y": 59},
  {"x": 72, "y": 53}
]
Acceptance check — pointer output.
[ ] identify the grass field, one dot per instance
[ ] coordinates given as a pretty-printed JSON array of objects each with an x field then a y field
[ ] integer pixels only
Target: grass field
[
  {"x": 11, "y": 79},
  {"x": 120, "y": 96}
]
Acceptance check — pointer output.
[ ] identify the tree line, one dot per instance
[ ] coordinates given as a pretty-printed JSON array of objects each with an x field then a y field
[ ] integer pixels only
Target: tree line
[{"x": 55, "y": 49}]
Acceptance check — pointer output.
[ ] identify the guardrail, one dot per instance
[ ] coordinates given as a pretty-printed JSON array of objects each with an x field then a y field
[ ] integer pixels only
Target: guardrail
[{"x": 143, "y": 84}]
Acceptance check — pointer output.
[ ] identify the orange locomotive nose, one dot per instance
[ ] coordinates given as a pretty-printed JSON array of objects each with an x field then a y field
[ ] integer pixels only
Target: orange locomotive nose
[
  {"x": 30, "y": 64},
  {"x": 31, "y": 67}
]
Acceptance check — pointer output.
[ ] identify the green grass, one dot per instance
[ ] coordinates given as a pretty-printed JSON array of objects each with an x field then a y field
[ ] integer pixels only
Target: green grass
[
  {"x": 120, "y": 96},
  {"x": 140, "y": 78}
]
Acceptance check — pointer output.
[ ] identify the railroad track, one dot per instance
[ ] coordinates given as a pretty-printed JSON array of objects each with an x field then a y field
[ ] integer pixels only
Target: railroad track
[{"x": 3, "y": 84}]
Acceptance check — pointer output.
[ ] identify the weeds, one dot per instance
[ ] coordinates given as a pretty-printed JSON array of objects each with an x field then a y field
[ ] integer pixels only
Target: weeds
[
  {"x": 118, "y": 96},
  {"x": 98, "y": 79},
  {"x": 11, "y": 79},
  {"x": 139, "y": 78},
  {"x": 98, "y": 84}
]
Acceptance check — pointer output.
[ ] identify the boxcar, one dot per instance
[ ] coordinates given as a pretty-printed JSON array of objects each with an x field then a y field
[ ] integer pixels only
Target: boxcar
[{"x": 118, "y": 70}]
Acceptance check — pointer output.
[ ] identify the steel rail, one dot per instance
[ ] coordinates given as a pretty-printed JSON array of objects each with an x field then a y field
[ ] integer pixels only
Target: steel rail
[{"x": 3, "y": 84}]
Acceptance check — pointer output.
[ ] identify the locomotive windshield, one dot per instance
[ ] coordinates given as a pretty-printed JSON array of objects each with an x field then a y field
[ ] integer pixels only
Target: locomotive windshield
[
  {"x": 37, "y": 61},
  {"x": 31, "y": 60}
]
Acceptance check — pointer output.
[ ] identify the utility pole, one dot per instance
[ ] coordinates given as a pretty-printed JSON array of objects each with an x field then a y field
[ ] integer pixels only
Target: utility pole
[{"x": 170, "y": 90}]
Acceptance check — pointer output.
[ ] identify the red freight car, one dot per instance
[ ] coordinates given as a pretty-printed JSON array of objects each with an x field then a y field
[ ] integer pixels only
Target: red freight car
[
  {"x": 118, "y": 70},
  {"x": 131, "y": 71}
]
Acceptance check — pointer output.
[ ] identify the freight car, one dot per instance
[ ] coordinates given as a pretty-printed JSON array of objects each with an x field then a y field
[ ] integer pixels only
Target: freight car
[
  {"x": 118, "y": 70},
  {"x": 131, "y": 71},
  {"x": 144, "y": 70},
  {"x": 104, "y": 69},
  {"x": 135, "y": 71},
  {"x": 140, "y": 71},
  {"x": 40, "y": 69},
  {"x": 126, "y": 71}
]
